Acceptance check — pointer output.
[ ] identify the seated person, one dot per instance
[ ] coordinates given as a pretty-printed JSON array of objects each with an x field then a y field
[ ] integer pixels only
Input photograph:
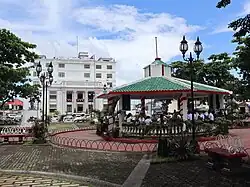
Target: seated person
[
  {"x": 148, "y": 120},
  {"x": 201, "y": 116},
  {"x": 211, "y": 116},
  {"x": 129, "y": 118}
]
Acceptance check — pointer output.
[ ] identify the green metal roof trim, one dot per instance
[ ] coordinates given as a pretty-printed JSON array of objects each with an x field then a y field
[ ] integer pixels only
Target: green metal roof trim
[
  {"x": 152, "y": 84},
  {"x": 202, "y": 87},
  {"x": 159, "y": 61}
]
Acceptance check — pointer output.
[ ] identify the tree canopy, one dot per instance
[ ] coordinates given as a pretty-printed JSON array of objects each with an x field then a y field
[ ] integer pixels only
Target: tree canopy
[
  {"x": 14, "y": 55},
  {"x": 216, "y": 72},
  {"x": 241, "y": 26}
]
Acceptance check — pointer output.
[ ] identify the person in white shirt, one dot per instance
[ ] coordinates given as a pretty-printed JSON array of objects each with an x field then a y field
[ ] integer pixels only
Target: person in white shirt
[
  {"x": 196, "y": 116},
  {"x": 211, "y": 116},
  {"x": 148, "y": 120},
  {"x": 129, "y": 118},
  {"x": 189, "y": 116},
  {"x": 141, "y": 119},
  {"x": 201, "y": 116}
]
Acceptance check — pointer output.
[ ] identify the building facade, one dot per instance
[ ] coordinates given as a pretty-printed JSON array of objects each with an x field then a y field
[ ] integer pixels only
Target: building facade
[{"x": 76, "y": 82}]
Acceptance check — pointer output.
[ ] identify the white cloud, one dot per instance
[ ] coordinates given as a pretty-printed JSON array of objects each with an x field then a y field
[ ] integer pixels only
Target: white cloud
[
  {"x": 53, "y": 24},
  {"x": 222, "y": 29}
]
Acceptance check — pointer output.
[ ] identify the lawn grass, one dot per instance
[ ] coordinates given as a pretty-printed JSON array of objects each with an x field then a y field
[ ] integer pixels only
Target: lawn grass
[{"x": 59, "y": 126}]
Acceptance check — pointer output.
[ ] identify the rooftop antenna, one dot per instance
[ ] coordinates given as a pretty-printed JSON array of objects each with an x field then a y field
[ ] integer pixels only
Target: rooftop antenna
[
  {"x": 77, "y": 45},
  {"x": 156, "y": 48}
]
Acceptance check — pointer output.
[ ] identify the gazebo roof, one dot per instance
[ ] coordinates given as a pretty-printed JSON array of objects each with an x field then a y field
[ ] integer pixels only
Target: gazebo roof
[{"x": 152, "y": 85}]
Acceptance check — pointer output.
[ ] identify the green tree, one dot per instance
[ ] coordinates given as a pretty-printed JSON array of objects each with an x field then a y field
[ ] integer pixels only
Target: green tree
[
  {"x": 14, "y": 55},
  {"x": 217, "y": 72},
  {"x": 240, "y": 25},
  {"x": 242, "y": 58},
  {"x": 182, "y": 70}
]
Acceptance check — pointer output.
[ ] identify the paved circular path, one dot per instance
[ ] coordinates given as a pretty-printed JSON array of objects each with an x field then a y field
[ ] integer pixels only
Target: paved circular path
[
  {"x": 88, "y": 139},
  {"x": 15, "y": 180}
]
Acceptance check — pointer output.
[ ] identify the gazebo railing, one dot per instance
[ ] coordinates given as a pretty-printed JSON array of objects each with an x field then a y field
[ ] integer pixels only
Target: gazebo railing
[{"x": 162, "y": 130}]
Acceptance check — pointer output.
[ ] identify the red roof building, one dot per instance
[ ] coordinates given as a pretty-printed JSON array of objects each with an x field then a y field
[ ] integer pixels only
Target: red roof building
[{"x": 15, "y": 102}]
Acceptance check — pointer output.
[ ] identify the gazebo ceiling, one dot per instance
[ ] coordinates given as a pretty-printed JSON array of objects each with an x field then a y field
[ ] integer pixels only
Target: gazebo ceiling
[{"x": 163, "y": 87}]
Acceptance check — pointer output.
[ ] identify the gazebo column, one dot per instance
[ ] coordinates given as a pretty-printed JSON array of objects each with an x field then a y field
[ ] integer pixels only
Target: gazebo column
[
  {"x": 121, "y": 116},
  {"x": 143, "y": 106},
  {"x": 222, "y": 101},
  {"x": 184, "y": 106},
  {"x": 214, "y": 102}
]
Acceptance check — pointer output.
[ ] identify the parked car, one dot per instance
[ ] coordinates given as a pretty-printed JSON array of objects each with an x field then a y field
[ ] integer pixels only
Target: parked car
[
  {"x": 79, "y": 119},
  {"x": 68, "y": 119}
]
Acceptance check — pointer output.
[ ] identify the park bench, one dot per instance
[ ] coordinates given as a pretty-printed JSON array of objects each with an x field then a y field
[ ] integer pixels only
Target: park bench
[
  {"x": 225, "y": 154},
  {"x": 13, "y": 138},
  {"x": 13, "y": 135}
]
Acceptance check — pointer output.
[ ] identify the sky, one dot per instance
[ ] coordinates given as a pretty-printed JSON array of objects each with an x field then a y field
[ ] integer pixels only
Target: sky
[{"x": 124, "y": 29}]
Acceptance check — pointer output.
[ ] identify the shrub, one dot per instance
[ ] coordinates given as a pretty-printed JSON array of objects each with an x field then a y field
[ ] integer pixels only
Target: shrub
[
  {"x": 178, "y": 147},
  {"x": 39, "y": 131}
]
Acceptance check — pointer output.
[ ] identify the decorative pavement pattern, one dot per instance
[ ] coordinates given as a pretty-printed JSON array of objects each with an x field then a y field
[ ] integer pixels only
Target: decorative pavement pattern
[
  {"x": 12, "y": 180},
  {"x": 104, "y": 166}
]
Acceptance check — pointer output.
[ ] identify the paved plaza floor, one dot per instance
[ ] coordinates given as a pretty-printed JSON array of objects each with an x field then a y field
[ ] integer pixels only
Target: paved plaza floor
[
  {"x": 15, "y": 180},
  {"x": 104, "y": 166}
]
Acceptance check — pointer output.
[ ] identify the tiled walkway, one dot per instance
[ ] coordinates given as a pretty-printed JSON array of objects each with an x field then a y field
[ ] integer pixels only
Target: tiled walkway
[
  {"x": 102, "y": 166},
  {"x": 12, "y": 180}
]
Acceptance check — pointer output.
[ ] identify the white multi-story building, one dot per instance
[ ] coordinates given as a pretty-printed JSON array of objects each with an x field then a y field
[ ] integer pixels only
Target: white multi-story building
[{"x": 76, "y": 82}]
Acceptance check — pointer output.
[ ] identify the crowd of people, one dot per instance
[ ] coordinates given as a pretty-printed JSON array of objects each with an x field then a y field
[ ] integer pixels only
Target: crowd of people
[
  {"x": 161, "y": 118},
  {"x": 199, "y": 115}
]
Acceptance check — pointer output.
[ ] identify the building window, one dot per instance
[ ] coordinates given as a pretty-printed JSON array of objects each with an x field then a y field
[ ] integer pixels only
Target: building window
[
  {"x": 52, "y": 97},
  {"x": 91, "y": 96},
  {"x": 98, "y": 66},
  {"x": 52, "y": 108},
  {"x": 61, "y": 65},
  {"x": 109, "y": 66},
  {"x": 61, "y": 74},
  {"x": 79, "y": 95},
  {"x": 36, "y": 82},
  {"x": 98, "y": 75},
  {"x": 69, "y": 108},
  {"x": 79, "y": 108},
  {"x": 34, "y": 74},
  {"x": 109, "y": 76},
  {"x": 69, "y": 96},
  {"x": 87, "y": 75},
  {"x": 86, "y": 66},
  {"x": 110, "y": 85}
]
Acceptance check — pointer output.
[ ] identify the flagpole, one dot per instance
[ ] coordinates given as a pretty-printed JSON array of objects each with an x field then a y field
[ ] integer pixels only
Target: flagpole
[{"x": 77, "y": 45}]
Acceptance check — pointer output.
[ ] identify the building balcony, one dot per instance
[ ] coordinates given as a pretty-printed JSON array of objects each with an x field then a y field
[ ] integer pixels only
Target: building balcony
[
  {"x": 79, "y": 100},
  {"x": 69, "y": 100}
]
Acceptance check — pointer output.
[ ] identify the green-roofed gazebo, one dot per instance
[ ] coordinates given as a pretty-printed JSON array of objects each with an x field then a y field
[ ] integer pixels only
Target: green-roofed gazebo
[{"x": 159, "y": 84}]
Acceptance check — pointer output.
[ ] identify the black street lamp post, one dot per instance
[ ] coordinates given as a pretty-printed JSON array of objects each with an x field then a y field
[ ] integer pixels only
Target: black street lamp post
[
  {"x": 105, "y": 89},
  {"x": 197, "y": 49},
  {"x": 45, "y": 81}
]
